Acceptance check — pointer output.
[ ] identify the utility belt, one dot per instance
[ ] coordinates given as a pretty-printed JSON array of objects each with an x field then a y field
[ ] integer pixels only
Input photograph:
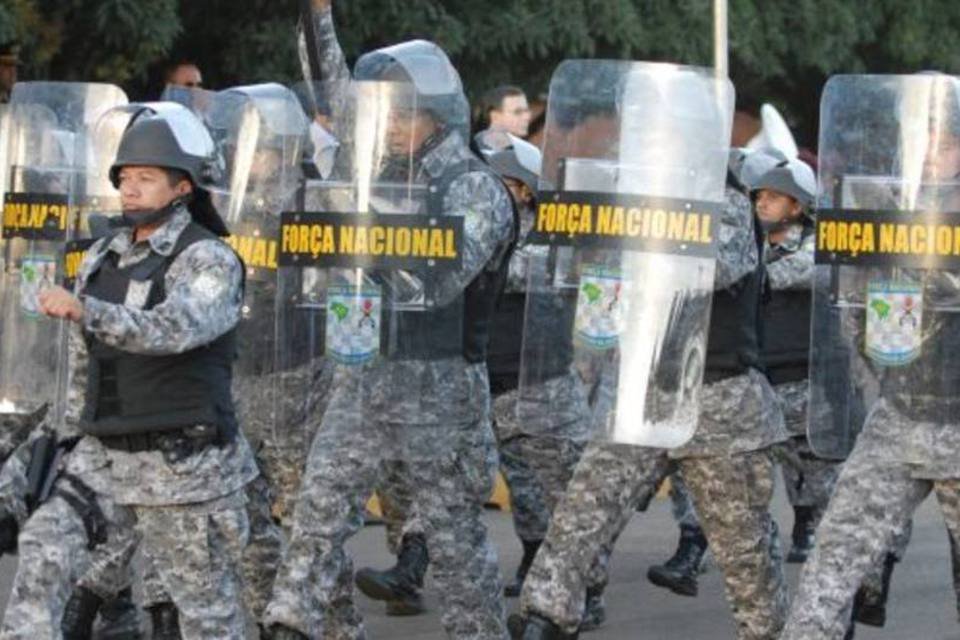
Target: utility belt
[{"x": 175, "y": 444}]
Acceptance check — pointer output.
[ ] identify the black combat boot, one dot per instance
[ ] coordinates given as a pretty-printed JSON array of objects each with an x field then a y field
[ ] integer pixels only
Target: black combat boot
[
  {"x": 119, "y": 618},
  {"x": 538, "y": 628},
  {"x": 534, "y": 627},
  {"x": 79, "y": 614},
  {"x": 679, "y": 573},
  {"x": 870, "y": 607},
  {"x": 530, "y": 548},
  {"x": 400, "y": 586},
  {"x": 166, "y": 621},
  {"x": 803, "y": 530},
  {"x": 280, "y": 632}
]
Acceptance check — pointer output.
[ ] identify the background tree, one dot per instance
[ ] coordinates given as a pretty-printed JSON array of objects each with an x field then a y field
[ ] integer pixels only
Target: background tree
[{"x": 782, "y": 51}]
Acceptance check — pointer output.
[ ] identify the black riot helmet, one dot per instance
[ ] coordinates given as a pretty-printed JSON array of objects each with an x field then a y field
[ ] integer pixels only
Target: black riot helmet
[
  {"x": 520, "y": 161},
  {"x": 426, "y": 67},
  {"x": 170, "y": 136}
]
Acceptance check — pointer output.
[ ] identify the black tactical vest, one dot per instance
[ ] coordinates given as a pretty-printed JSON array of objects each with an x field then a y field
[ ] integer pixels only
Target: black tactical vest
[
  {"x": 735, "y": 337},
  {"x": 133, "y": 394},
  {"x": 462, "y": 328},
  {"x": 552, "y": 316},
  {"x": 786, "y": 319}
]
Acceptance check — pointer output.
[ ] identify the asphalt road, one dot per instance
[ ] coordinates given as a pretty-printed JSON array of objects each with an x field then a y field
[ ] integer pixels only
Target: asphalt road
[{"x": 922, "y": 604}]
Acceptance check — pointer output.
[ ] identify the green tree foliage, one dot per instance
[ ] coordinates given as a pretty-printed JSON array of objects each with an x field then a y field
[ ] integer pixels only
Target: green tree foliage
[
  {"x": 781, "y": 50},
  {"x": 94, "y": 40}
]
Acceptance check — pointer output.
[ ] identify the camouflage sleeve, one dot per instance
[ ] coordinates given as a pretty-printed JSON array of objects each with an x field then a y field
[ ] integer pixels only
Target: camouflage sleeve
[
  {"x": 319, "y": 43},
  {"x": 77, "y": 359},
  {"x": 487, "y": 227},
  {"x": 794, "y": 270},
  {"x": 324, "y": 48},
  {"x": 737, "y": 254},
  {"x": 203, "y": 298}
]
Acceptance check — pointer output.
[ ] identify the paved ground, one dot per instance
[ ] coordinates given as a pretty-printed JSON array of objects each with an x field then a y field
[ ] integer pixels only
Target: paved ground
[{"x": 921, "y": 608}]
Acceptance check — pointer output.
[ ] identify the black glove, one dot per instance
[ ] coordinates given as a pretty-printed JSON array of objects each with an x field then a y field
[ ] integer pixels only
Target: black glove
[{"x": 8, "y": 533}]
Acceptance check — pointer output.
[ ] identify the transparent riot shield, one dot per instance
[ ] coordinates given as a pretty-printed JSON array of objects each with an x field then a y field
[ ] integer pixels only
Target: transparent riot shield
[
  {"x": 261, "y": 131},
  {"x": 635, "y": 158},
  {"x": 373, "y": 267},
  {"x": 49, "y": 144},
  {"x": 4, "y": 176},
  {"x": 321, "y": 102},
  {"x": 199, "y": 101},
  {"x": 886, "y": 300}
]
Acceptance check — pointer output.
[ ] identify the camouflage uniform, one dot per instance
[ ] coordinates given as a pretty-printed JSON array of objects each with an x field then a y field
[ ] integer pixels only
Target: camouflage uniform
[
  {"x": 537, "y": 469},
  {"x": 607, "y": 483},
  {"x": 435, "y": 412},
  {"x": 280, "y": 455},
  {"x": 397, "y": 506},
  {"x": 727, "y": 467},
  {"x": 809, "y": 480},
  {"x": 877, "y": 492},
  {"x": 101, "y": 567},
  {"x": 681, "y": 504},
  {"x": 541, "y": 433},
  {"x": 190, "y": 512},
  {"x": 871, "y": 588},
  {"x": 15, "y": 429},
  {"x": 451, "y": 413}
]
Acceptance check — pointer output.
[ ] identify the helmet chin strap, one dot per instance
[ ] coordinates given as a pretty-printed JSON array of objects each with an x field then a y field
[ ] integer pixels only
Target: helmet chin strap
[
  {"x": 144, "y": 217},
  {"x": 772, "y": 226}
]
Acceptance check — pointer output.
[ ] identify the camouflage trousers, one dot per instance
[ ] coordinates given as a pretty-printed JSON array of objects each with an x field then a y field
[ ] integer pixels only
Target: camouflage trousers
[
  {"x": 681, "y": 504},
  {"x": 282, "y": 468},
  {"x": 259, "y": 562},
  {"x": 875, "y": 497},
  {"x": 193, "y": 550},
  {"x": 872, "y": 583},
  {"x": 730, "y": 493},
  {"x": 397, "y": 504},
  {"x": 537, "y": 470},
  {"x": 267, "y": 500},
  {"x": 54, "y": 554},
  {"x": 600, "y": 498},
  {"x": 537, "y": 465},
  {"x": 809, "y": 480},
  {"x": 313, "y": 592}
]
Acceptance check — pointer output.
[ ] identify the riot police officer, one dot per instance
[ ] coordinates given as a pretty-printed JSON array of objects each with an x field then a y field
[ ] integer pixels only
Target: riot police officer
[
  {"x": 410, "y": 388},
  {"x": 151, "y": 352}
]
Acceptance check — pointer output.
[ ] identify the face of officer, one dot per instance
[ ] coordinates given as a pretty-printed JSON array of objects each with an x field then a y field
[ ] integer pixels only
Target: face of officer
[
  {"x": 407, "y": 130},
  {"x": 521, "y": 192},
  {"x": 513, "y": 116},
  {"x": 186, "y": 75},
  {"x": 777, "y": 209},
  {"x": 150, "y": 188}
]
